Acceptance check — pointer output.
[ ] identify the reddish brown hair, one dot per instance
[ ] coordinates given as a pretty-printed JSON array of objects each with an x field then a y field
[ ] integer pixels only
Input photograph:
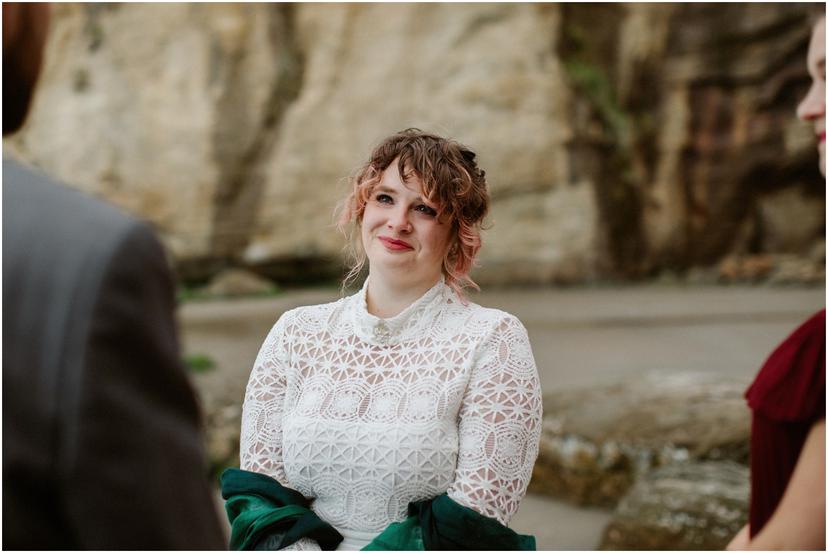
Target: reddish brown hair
[{"x": 451, "y": 180}]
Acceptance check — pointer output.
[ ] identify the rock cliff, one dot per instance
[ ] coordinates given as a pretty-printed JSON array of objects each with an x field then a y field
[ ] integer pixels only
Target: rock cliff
[{"x": 619, "y": 139}]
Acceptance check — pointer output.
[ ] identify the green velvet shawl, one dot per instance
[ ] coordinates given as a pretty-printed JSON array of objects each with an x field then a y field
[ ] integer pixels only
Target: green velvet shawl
[
  {"x": 266, "y": 515},
  {"x": 442, "y": 524}
]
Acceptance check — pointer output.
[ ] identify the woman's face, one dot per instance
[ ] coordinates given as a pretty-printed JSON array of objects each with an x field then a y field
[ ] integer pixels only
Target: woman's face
[
  {"x": 812, "y": 107},
  {"x": 403, "y": 236}
]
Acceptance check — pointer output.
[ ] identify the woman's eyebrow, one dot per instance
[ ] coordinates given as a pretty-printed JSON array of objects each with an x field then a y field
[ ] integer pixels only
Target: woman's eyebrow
[{"x": 389, "y": 190}]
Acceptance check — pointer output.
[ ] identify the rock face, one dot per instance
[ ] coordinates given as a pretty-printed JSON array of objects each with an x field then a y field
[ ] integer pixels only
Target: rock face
[
  {"x": 619, "y": 140},
  {"x": 598, "y": 442},
  {"x": 237, "y": 282},
  {"x": 688, "y": 506}
]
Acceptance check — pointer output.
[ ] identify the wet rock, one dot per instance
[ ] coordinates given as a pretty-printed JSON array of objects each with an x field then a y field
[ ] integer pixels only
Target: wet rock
[
  {"x": 694, "y": 505},
  {"x": 596, "y": 443}
]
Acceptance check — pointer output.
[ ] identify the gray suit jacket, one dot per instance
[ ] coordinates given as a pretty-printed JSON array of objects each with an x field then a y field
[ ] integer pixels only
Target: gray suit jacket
[{"x": 101, "y": 433}]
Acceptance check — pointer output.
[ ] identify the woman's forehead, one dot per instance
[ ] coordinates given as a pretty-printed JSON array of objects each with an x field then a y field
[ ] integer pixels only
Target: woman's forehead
[{"x": 407, "y": 177}]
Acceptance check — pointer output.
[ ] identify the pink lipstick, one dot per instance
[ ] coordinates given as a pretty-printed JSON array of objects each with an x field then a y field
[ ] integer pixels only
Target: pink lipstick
[{"x": 395, "y": 245}]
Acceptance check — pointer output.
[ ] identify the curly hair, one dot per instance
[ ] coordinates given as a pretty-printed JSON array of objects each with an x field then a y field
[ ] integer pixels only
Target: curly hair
[{"x": 451, "y": 179}]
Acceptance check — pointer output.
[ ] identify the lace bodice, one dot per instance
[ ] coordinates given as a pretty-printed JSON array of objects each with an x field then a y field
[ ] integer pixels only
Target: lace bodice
[{"x": 365, "y": 415}]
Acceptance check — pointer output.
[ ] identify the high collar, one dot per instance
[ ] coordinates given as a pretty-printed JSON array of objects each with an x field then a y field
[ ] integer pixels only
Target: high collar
[{"x": 412, "y": 321}]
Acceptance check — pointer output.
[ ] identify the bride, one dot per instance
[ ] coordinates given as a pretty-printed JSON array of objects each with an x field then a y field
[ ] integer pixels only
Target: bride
[{"x": 404, "y": 416}]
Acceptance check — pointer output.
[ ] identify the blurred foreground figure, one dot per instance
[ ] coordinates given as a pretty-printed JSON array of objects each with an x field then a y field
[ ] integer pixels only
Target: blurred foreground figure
[
  {"x": 101, "y": 440},
  {"x": 787, "y": 452}
]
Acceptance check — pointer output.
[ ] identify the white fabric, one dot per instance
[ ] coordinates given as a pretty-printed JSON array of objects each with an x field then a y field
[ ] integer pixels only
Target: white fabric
[{"x": 365, "y": 415}]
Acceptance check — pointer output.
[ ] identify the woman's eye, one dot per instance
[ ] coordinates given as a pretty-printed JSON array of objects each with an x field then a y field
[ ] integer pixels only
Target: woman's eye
[
  {"x": 383, "y": 198},
  {"x": 422, "y": 208}
]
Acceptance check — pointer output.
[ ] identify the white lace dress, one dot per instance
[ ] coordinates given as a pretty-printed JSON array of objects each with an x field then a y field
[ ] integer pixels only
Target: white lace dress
[{"x": 364, "y": 415}]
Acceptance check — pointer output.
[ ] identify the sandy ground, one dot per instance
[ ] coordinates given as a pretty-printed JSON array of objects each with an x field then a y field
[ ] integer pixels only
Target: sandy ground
[{"x": 580, "y": 337}]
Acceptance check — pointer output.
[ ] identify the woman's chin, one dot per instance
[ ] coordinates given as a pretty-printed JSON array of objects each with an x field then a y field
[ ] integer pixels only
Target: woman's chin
[{"x": 389, "y": 262}]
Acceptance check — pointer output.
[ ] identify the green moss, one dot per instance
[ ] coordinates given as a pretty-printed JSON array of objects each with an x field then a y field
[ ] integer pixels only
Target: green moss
[
  {"x": 199, "y": 362},
  {"x": 186, "y": 294},
  {"x": 592, "y": 81}
]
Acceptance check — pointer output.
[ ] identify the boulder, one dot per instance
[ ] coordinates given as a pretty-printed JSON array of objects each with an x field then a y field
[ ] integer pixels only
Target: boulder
[
  {"x": 238, "y": 282},
  {"x": 746, "y": 268},
  {"x": 775, "y": 269},
  {"x": 686, "y": 506},
  {"x": 797, "y": 270},
  {"x": 597, "y": 442}
]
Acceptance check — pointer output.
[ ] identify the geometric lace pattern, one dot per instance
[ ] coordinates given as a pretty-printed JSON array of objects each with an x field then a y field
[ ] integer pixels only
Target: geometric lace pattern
[{"x": 364, "y": 415}]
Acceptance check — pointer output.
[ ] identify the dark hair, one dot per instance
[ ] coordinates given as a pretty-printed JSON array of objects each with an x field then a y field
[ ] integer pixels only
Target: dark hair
[{"x": 451, "y": 180}]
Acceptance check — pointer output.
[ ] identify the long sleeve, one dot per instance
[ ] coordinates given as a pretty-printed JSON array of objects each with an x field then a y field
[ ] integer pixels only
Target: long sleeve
[
  {"x": 261, "y": 428},
  {"x": 134, "y": 462},
  {"x": 500, "y": 424}
]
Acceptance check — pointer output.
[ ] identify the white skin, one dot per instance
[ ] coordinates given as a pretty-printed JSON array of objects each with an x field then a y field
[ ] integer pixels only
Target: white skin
[
  {"x": 798, "y": 523},
  {"x": 812, "y": 106},
  {"x": 405, "y": 241}
]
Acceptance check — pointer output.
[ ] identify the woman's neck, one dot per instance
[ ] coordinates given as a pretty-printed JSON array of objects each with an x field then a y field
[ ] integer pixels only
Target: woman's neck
[{"x": 385, "y": 300}]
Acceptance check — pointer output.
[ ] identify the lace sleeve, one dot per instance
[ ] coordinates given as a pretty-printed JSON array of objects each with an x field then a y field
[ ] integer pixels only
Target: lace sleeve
[
  {"x": 500, "y": 424},
  {"x": 261, "y": 428}
]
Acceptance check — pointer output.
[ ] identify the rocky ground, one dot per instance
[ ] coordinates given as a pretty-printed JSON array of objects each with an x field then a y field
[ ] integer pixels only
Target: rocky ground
[{"x": 585, "y": 341}]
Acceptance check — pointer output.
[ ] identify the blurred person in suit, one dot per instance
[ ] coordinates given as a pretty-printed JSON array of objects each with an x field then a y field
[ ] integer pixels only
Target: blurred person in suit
[
  {"x": 787, "y": 451},
  {"x": 102, "y": 444}
]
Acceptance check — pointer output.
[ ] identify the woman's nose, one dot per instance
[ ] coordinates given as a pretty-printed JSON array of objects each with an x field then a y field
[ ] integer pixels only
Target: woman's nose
[
  {"x": 398, "y": 220},
  {"x": 812, "y": 105}
]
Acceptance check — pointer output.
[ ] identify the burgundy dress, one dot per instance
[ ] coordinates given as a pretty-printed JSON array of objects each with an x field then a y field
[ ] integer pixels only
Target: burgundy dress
[{"x": 787, "y": 398}]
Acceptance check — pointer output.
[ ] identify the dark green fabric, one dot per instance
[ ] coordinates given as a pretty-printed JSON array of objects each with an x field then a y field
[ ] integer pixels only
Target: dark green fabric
[
  {"x": 443, "y": 524},
  {"x": 399, "y": 536},
  {"x": 266, "y": 515}
]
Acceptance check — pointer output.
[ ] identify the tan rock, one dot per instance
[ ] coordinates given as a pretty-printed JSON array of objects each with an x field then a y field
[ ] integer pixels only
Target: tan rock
[
  {"x": 134, "y": 107},
  {"x": 371, "y": 69},
  {"x": 694, "y": 505},
  {"x": 776, "y": 212},
  {"x": 597, "y": 442},
  {"x": 238, "y": 282},
  {"x": 619, "y": 140},
  {"x": 750, "y": 268}
]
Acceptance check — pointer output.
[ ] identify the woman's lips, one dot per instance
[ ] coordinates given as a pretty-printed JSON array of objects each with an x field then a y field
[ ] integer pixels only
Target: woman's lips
[
  {"x": 395, "y": 245},
  {"x": 822, "y": 136}
]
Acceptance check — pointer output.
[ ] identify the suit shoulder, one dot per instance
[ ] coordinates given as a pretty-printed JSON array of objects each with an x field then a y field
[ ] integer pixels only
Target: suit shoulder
[{"x": 36, "y": 204}]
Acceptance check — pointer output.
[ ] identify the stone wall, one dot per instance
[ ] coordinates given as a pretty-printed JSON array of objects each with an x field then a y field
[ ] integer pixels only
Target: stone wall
[{"x": 619, "y": 139}]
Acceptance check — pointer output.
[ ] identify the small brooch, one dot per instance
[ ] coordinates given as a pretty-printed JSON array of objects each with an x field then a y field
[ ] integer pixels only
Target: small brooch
[{"x": 382, "y": 332}]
